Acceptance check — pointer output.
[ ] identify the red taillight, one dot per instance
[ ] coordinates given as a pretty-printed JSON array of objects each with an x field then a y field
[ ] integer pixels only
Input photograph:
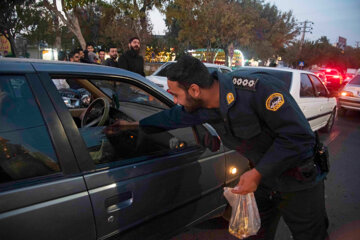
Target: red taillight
[
  {"x": 336, "y": 76},
  {"x": 328, "y": 70},
  {"x": 346, "y": 93}
]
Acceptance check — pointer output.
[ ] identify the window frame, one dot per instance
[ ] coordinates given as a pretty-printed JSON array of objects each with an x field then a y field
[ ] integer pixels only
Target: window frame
[
  {"x": 60, "y": 144},
  {"x": 85, "y": 162},
  {"x": 312, "y": 86},
  {"x": 318, "y": 93}
]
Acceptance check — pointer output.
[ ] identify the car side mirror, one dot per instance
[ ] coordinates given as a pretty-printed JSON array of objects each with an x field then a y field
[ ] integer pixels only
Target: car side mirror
[{"x": 212, "y": 142}]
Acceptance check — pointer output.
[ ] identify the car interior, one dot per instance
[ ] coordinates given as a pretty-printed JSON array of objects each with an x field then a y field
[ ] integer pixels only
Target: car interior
[{"x": 96, "y": 104}]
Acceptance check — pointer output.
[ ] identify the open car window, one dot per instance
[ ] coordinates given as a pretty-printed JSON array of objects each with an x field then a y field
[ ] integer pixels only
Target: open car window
[
  {"x": 125, "y": 92},
  {"x": 112, "y": 100}
]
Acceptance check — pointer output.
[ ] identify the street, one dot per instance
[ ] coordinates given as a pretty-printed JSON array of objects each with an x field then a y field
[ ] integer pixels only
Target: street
[{"x": 342, "y": 189}]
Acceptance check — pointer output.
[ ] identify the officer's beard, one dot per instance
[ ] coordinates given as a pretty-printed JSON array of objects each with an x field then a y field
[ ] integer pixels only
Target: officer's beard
[{"x": 192, "y": 103}]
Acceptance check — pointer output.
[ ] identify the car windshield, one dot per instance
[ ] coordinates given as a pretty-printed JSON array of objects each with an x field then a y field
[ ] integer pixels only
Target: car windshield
[{"x": 355, "y": 80}]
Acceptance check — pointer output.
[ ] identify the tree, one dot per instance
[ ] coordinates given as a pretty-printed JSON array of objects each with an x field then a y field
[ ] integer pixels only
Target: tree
[
  {"x": 322, "y": 53},
  {"x": 71, "y": 9},
  {"x": 10, "y": 22},
  {"x": 211, "y": 23},
  {"x": 273, "y": 31}
]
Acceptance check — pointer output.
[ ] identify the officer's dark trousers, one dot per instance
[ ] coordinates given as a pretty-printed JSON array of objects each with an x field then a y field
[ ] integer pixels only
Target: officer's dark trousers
[{"x": 303, "y": 211}]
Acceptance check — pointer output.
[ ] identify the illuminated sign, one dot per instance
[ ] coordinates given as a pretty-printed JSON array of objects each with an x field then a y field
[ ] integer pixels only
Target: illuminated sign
[{"x": 5, "y": 47}]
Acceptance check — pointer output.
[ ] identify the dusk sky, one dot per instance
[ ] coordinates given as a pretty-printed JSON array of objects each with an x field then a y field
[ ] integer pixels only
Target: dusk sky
[{"x": 332, "y": 18}]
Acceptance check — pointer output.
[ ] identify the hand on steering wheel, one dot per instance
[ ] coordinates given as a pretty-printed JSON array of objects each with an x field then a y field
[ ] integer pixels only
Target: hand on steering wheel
[{"x": 96, "y": 114}]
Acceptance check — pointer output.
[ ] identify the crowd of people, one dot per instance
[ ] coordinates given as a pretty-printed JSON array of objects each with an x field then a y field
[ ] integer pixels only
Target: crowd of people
[{"x": 130, "y": 60}]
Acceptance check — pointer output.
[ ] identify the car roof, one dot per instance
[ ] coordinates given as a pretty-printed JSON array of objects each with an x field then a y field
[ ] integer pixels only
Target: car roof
[
  {"x": 24, "y": 65},
  {"x": 205, "y": 63},
  {"x": 59, "y": 67},
  {"x": 274, "y": 69}
]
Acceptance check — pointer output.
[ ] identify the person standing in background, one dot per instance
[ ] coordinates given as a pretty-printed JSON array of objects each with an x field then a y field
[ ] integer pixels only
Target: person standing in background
[
  {"x": 131, "y": 60},
  {"x": 90, "y": 47},
  {"x": 74, "y": 56},
  {"x": 101, "y": 56},
  {"x": 111, "y": 61}
]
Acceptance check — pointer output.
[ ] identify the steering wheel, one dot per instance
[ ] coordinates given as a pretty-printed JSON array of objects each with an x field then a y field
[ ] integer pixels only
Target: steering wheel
[{"x": 96, "y": 114}]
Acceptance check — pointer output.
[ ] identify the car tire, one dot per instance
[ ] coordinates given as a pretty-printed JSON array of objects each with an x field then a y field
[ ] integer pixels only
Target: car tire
[
  {"x": 328, "y": 127},
  {"x": 341, "y": 111}
]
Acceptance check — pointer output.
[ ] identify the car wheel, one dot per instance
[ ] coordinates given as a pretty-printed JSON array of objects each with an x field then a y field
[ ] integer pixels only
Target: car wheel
[
  {"x": 330, "y": 123},
  {"x": 342, "y": 111}
]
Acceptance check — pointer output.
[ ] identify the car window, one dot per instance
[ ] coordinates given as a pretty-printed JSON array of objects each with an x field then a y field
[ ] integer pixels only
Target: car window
[
  {"x": 306, "y": 87},
  {"x": 320, "y": 88},
  {"x": 163, "y": 72},
  {"x": 355, "y": 80},
  {"x": 125, "y": 92},
  {"x": 26, "y": 150},
  {"x": 125, "y": 146}
]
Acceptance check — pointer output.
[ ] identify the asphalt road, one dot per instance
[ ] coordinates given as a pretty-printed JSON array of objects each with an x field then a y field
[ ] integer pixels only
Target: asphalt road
[{"x": 342, "y": 189}]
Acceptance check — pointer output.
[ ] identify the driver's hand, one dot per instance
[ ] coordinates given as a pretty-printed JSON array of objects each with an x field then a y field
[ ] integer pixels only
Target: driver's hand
[{"x": 120, "y": 125}]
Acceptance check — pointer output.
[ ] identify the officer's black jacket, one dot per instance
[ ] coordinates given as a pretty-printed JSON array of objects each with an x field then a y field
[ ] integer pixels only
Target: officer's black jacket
[
  {"x": 132, "y": 61},
  {"x": 260, "y": 120}
]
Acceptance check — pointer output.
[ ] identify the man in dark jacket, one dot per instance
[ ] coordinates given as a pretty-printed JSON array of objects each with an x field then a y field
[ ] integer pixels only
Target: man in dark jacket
[
  {"x": 131, "y": 60},
  {"x": 254, "y": 114},
  {"x": 111, "y": 61}
]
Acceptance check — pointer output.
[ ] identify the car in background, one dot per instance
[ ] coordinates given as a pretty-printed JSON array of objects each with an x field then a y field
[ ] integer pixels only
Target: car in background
[
  {"x": 63, "y": 177},
  {"x": 309, "y": 92},
  {"x": 349, "y": 96},
  {"x": 321, "y": 75},
  {"x": 334, "y": 79},
  {"x": 350, "y": 74},
  {"x": 159, "y": 76}
]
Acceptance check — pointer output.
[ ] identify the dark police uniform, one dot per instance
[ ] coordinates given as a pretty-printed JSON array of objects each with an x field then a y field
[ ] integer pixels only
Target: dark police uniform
[{"x": 260, "y": 119}]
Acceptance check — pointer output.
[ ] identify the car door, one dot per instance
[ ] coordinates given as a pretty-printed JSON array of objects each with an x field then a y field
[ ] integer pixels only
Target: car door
[
  {"x": 323, "y": 97},
  {"x": 145, "y": 186},
  {"x": 42, "y": 194},
  {"x": 309, "y": 103}
]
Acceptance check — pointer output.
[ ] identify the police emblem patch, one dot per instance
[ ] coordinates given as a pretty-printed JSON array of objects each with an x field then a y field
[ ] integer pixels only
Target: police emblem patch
[
  {"x": 274, "y": 102},
  {"x": 245, "y": 83},
  {"x": 230, "y": 98}
]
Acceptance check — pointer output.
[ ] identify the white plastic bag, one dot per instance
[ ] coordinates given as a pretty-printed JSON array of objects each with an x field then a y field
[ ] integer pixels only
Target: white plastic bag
[{"x": 245, "y": 218}]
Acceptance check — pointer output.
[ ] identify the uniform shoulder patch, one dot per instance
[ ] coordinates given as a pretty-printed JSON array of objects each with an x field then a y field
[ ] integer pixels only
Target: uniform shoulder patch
[
  {"x": 274, "y": 101},
  {"x": 245, "y": 83},
  {"x": 230, "y": 98}
]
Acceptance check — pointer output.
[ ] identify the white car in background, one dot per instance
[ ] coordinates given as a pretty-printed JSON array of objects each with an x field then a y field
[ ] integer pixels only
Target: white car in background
[
  {"x": 309, "y": 92},
  {"x": 349, "y": 97},
  {"x": 159, "y": 76}
]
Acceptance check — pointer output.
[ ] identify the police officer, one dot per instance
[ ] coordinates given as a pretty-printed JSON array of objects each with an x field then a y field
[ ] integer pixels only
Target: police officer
[{"x": 254, "y": 114}]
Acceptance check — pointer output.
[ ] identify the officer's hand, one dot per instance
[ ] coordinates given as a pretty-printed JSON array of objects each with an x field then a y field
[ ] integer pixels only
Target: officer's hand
[
  {"x": 248, "y": 183},
  {"x": 120, "y": 125}
]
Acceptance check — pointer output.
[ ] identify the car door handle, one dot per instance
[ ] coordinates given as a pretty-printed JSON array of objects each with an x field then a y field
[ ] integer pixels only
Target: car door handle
[{"x": 118, "y": 202}]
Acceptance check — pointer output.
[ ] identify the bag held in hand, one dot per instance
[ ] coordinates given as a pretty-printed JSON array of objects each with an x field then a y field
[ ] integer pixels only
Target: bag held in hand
[{"x": 245, "y": 218}]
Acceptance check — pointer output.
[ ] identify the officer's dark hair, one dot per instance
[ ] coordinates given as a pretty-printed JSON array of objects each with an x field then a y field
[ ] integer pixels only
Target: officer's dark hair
[
  {"x": 133, "y": 38},
  {"x": 188, "y": 70}
]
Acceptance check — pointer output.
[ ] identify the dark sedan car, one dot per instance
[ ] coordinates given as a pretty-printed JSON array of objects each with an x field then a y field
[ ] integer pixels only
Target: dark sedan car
[{"x": 61, "y": 177}]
